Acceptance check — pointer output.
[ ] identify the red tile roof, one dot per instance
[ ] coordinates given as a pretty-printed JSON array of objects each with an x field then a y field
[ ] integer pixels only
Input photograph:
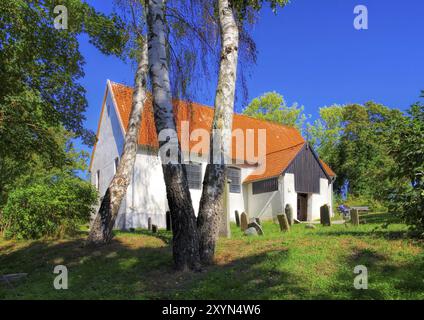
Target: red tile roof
[{"x": 282, "y": 142}]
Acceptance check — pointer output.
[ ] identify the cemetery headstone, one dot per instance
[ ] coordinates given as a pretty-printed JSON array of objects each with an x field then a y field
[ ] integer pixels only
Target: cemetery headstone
[
  {"x": 325, "y": 215},
  {"x": 257, "y": 227},
  {"x": 237, "y": 218},
  {"x": 354, "y": 213},
  {"x": 154, "y": 228},
  {"x": 283, "y": 221},
  {"x": 289, "y": 213},
  {"x": 149, "y": 224},
  {"x": 243, "y": 221},
  {"x": 251, "y": 232}
]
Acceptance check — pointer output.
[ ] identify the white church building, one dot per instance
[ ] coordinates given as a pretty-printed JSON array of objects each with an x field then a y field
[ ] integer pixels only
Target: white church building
[{"x": 291, "y": 174}]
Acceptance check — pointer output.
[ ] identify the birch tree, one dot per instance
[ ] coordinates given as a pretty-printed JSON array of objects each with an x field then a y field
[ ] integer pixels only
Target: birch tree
[
  {"x": 185, "y": 238},
  {"x": 102, "y": 225},
  {"x": 211, "y": 202}
]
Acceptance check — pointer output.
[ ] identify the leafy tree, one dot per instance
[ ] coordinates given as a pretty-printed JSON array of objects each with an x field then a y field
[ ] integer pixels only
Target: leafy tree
[
  {"x": 49, "y": 199},
  {"x": 52, "y": 205},
  {"x": 271, "y": 106},
  {"x": 354, "y": 140},
  {"x": 40, "y": 68},
  {"x": 406, "y": 198}
]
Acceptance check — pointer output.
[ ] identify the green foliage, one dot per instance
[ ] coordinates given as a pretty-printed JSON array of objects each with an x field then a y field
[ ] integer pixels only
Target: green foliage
[
  {"x": 51, "y": 205},
  {"x": 40, "y": 95},
  {"x": 42, "y": 65},
  {"x": 355, "y": 141},
  {"x": 407, "y": 195},
  {"x": 271, "y": 106},
  {"x": 324, "y": 134}
]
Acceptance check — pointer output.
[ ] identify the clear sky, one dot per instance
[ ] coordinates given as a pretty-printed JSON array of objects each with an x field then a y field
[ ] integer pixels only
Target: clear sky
[{"x": 311, "y": 53}]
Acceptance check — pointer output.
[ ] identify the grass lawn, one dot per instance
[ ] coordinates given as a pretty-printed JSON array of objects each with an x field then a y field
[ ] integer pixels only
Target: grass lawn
[{"x": 302, "y": 264}]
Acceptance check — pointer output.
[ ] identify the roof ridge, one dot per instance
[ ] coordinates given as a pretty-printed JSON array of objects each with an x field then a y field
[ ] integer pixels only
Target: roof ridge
[{"x": 212, "y": 108}]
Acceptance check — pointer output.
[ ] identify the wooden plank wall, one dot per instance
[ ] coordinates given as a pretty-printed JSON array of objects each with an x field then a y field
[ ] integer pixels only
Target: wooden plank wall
[{"x": 307, "y": 172}]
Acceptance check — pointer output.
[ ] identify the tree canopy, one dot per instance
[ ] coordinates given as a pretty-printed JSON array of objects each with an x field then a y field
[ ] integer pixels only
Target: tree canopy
[{"x": 271, "y": 106}]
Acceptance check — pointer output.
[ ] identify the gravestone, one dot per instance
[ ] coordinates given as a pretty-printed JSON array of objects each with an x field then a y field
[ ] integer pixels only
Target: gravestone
[
  {"x": 325, "y": 215},
  {"x": 283, "y": 221},
  {"x": 149, "y": 224},
  {"x": 168, "y": 221},
  {"x": 354, "y": 216},
  {"x": 154, "y": 228},
  {"x": 237, "y": 219},
  {"x": 289, "y": 213},
  {"x": 251, "y": 232},
  {"x": 257, "y": 227},
  {"x": 224, "y": 228},
  {"x": 243, "y": 221}
]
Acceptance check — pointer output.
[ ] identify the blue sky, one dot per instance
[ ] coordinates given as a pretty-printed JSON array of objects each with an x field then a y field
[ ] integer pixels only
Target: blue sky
[{"x": 311, "y": 54}]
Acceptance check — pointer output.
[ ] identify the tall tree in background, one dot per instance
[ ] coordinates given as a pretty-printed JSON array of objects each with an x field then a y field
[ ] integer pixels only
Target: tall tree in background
[
  {"x": 406, "y": 197},
  {"x": 355, "y": 141},
  {"x": 185, "y": 237},
  {"x": 40, "y": 69},
  {"x": 271, "y": 106},
  {"x": 325, "y": 132}
]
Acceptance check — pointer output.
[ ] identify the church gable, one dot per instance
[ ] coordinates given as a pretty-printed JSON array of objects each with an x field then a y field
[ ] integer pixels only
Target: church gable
[{"x": 307, "y": 171}]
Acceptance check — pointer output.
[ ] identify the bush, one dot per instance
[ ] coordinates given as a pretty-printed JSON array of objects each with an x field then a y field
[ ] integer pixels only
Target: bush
[{"x": 49, "y": 206}]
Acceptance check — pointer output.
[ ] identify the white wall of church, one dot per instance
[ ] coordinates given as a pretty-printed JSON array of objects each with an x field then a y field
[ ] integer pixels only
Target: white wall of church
[
  {"x": 146, "y": 195},
  {"x": 110, "y": 142},
  {"x": 289, "y": 192}
]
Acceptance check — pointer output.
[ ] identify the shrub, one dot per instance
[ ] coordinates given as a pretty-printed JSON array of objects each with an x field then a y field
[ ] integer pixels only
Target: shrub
[{"x": 49, "y": 206}]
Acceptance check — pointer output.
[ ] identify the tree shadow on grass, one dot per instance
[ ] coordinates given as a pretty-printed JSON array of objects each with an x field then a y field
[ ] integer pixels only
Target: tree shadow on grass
[
  {"x": 140, "y": 268},
  {"x": 387, "y": 279}
]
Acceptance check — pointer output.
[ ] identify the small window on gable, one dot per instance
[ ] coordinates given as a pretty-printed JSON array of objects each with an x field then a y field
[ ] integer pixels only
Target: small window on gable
[
  {"x": 264, "y": 186},
  {"x": 115, "y": 165},
  {"x": 98, "y": 180},
  {"x": 194, "y": 175},
  {"x": 233, "y": 174},
  {"x": 108, "y": 109}
]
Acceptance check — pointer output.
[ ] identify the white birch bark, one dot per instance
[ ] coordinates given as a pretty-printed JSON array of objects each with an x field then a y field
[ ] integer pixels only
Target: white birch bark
[
  {"x": 211, "y": 202},
  {"x": 185, "y": 238},
  {"x": 102, "y": 224}
]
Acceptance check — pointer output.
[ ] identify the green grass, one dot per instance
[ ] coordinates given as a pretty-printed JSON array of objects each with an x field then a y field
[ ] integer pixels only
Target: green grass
[{"x": 302, "y": 264}]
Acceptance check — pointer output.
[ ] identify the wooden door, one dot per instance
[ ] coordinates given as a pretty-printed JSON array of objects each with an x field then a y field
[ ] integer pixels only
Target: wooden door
[{"x": 302, "y": 206}]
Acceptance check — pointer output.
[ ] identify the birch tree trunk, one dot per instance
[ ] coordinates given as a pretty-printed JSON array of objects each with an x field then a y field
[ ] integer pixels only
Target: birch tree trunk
[
  {"x": 211, "y": 202},
  {"x": 102, "y": 225},
  {"x": 185, "y": 238}
]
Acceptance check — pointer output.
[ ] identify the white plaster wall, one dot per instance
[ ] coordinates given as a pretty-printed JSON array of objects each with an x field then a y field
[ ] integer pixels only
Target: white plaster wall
[
  {"x": 289, "y": 193},
  {"x": 146, "y": 195},
  {"x": 263, "y": 205},
  {"x": 318, "y": 200},
  {"x": 109, "y": 146}
]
